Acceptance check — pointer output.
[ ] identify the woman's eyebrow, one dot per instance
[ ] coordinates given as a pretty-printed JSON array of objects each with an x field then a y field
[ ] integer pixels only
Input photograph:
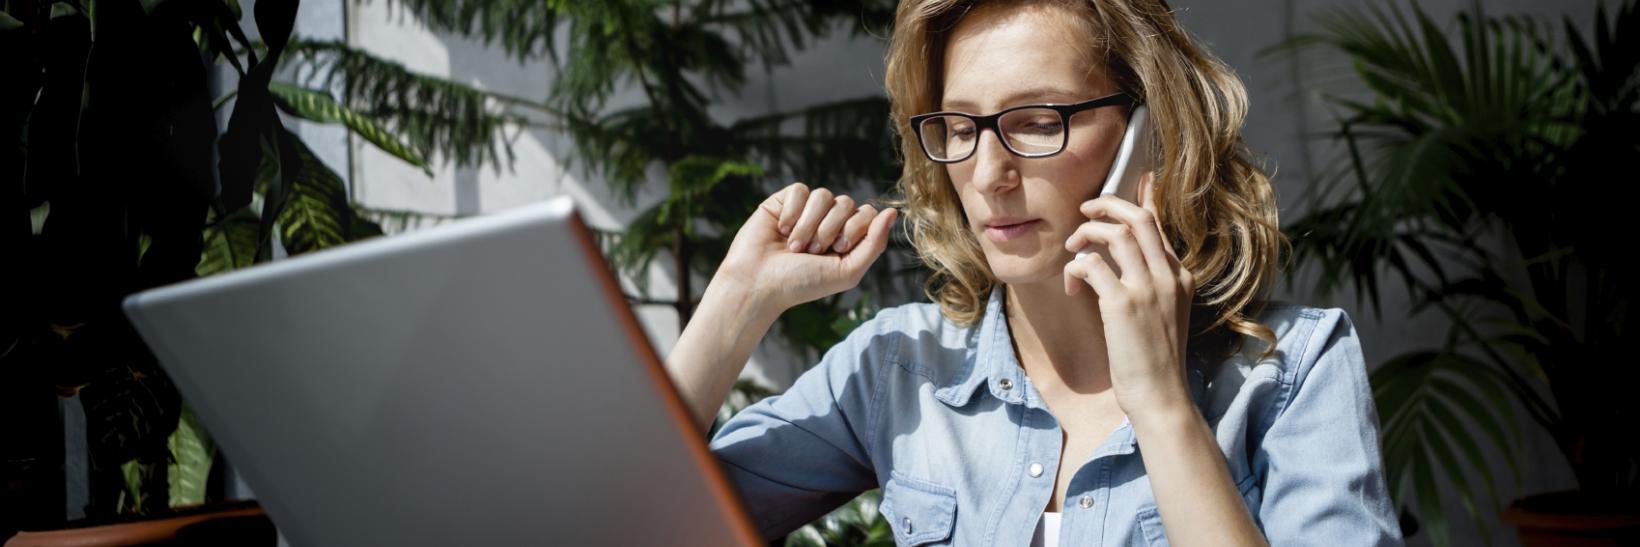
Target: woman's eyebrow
[{"x": 1023, "y": 96}]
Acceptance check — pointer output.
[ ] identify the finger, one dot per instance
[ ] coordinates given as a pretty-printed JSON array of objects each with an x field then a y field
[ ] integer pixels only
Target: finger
[
  {"x": 841, "y": 209},
  {"x": 872, "y": 245},
  {"x": 1093, "y": 271},
  {"x": 855, "y": 229},
  {"x": 815, "y": 209},
  {"x": 792, "y": 205},
  {"x": 1115, "y": 237},
  {"x": 1148, "y": 178},
  {"x": 1142, "y": 227}
]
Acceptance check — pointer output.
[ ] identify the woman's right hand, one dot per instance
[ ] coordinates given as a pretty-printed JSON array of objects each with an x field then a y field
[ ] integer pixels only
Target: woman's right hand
[
  {"x": 797, "y": 247},
  {"x": 803, "y": 245}
]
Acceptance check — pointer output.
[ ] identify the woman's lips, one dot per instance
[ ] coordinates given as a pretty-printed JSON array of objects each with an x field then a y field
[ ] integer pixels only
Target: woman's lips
[{"x": 1007, "y": 232}]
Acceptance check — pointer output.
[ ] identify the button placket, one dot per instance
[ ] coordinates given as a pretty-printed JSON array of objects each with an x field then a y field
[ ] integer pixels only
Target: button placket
[{"x": 1084, "y": 515}]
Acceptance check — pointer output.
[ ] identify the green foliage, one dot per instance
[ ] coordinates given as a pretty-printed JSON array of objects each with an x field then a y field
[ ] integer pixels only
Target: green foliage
[
  {"x": 317, "y": 214},
  {"x": 112, "y": 188},
  {"x": 106, "y": 187},
  {"x": 7, "y": 22},
  {"x": 1503, "y": 140},
  {"x": 189, "y": 452},
  {"x": 192, "y": 448},
  {"x": 1441, "y": 412},
  {"x": 437, "y": 117},
  {"x": 317, "y": 106},
  {"x": 231, "y": 243},
  {"x": 681, "y": 57}
]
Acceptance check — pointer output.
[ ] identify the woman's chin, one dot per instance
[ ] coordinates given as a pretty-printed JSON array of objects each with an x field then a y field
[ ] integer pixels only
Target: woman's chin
[{"x": 1015, "y": 270}]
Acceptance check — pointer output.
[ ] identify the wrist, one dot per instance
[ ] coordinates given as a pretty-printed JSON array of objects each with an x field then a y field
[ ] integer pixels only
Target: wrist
[
  {"x": 1169, "y": 414},
  {"x": 737, "y": 302}
]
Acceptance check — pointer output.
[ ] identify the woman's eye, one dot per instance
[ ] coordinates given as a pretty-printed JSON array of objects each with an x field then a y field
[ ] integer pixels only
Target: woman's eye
[
  {"x": 962, "y": 132},
  {"x": 1042, "y": 127}
]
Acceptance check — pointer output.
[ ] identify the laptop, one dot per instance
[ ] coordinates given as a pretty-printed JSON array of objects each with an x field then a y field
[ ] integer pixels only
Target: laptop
[{"x": 482, "y": 382}]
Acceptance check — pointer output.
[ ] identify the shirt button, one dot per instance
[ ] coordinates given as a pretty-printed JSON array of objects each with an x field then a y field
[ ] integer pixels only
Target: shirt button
[
  {"x": 1036, "y": 470},
  {"x": 907, "y": 525},
  {"x": 1005, "y": 383},
  {"x": 1085, "y": 502}
]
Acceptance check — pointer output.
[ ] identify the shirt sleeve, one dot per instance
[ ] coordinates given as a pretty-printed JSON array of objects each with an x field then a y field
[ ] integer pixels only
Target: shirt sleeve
[
  {"x": 1324, "y": 471},
  {"x": 796, "y": 456}
]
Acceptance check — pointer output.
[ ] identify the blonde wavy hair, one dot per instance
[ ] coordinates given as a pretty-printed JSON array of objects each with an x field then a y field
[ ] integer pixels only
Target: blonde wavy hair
[{"x": 1216, "y": 206}]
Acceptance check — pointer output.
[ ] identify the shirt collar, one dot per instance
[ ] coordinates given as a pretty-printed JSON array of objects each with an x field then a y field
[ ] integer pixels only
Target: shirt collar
[{"x": 994, "y": 364}]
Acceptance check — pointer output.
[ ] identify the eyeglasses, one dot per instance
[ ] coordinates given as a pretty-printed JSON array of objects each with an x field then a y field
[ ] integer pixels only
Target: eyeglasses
[{"x": 1028, "y": 131}]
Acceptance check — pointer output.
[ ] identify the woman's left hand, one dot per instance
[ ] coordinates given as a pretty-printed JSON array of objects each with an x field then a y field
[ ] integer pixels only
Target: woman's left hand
[{"x": 1144, "y": 301}]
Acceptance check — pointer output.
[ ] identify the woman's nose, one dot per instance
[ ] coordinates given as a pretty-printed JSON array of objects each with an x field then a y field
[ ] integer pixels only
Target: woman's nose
[{"x": 992, "y": 162}]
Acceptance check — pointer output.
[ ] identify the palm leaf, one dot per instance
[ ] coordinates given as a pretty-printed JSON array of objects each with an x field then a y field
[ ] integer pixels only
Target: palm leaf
[
  {"x": 1433, "y": 422},
  {"x": 1403, "y": 162},
  {"x": 619, "y": 146},
  {"x": 521, "y": 28},
  {"x": 840, "y": 144},
  {"x": 318, "y": 106},
  {"x": 763, "y": 30},
  {"x": 704, "y": 191},
  {"x": 434, "y": 117}
]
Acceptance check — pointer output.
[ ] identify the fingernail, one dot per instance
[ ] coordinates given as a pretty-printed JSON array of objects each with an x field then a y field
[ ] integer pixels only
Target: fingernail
[
  {"x": 842, "y": 246},
  {"x": 814, "y": 247},
  {"x": 785, "y": 230},
  {"x": 795, "y": 245}
]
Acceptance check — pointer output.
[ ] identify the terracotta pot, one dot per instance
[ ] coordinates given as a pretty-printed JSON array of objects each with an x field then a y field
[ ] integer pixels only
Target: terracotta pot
[
  {"x": 1575, "y": 519},
  {"x": 232, "y": 523}
]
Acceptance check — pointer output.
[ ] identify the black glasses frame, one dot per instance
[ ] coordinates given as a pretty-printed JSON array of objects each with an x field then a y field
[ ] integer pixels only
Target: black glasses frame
[{"x": 990, "y": 122}]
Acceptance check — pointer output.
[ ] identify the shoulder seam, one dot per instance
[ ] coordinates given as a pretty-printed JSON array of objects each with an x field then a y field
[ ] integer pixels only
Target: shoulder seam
[
  {"x": 1303, "y": 360},
  {"x": 1315, "y": 342}
]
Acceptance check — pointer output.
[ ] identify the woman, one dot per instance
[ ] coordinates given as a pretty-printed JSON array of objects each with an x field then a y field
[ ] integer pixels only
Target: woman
[{"x": 1152, "y": 396}]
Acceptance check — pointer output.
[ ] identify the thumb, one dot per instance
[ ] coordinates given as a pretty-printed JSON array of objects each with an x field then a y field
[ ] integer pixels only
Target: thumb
[
  {"x": 876, "y": 240},
  {"x": 767, "y": 214}
]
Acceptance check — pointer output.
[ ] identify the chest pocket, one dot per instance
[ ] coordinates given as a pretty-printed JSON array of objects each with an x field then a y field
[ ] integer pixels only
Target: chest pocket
[
  {"x": 919, "y": 512},
  {"x": 1150, "y": 521}
]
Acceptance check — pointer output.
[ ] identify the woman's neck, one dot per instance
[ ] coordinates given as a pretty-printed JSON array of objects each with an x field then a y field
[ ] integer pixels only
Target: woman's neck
[{"x": 1060, "y": 340}]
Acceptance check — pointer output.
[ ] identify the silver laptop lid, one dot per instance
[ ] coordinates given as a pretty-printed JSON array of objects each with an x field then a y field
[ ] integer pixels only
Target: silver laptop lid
[{"x": 481, "y": 382}]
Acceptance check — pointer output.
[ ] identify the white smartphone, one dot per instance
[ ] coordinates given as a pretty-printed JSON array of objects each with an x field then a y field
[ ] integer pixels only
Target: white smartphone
[{"x": 1133, "y": 159}]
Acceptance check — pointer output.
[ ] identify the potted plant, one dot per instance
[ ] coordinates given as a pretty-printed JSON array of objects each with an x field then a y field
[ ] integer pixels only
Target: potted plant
[
  {"x": 116, "y": 177},
  {"x": 1492, "y": 178}
]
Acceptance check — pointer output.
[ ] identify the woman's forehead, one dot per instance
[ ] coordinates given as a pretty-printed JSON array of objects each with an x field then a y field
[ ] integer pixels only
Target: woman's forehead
[{"x": 999, "y": 56}]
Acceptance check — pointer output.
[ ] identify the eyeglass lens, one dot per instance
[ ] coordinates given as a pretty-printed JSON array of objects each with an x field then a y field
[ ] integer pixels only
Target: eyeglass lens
[{"x": 1028, "y": 131}]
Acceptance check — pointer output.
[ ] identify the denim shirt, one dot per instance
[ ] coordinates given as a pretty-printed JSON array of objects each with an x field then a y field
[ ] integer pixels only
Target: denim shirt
[{"x": 942, "y": 418}]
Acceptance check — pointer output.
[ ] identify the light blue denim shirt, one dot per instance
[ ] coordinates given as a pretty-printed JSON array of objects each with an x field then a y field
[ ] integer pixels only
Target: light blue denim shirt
[{"x": 944, "y": 420}]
